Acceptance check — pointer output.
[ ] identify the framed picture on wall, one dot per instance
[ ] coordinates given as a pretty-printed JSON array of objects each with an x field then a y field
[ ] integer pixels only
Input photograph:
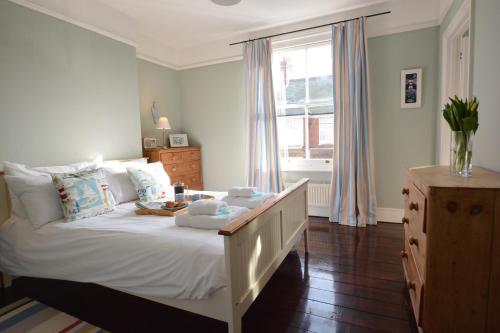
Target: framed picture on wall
[
  {"x": 411, "y": 88},
  {"x": 178, "y": 140},
  {"x": 150, "y": 143}
]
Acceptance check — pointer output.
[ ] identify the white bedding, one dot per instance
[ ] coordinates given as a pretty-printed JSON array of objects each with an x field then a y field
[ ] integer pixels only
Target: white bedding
[{"x": 145, "y": 255}]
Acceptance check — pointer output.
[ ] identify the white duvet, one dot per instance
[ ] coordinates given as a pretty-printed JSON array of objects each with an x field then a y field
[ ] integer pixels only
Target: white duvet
[{"x": 145, "y": 255}]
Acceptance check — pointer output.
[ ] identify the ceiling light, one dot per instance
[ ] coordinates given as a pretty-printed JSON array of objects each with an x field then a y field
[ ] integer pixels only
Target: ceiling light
[{"x": 226, "y": 2}]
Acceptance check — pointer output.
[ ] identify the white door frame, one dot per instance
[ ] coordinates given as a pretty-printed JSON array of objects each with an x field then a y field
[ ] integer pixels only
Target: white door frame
[{"x": 449, "y": 73}]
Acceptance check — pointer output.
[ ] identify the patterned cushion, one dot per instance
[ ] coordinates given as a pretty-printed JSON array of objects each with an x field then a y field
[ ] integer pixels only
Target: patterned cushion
[
  {"x": 151, "y": 181},
  {"x": 83, "y": 194}
]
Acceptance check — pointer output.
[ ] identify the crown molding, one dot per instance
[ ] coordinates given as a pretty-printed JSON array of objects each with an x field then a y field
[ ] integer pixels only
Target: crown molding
[
  {"x": 445, "y": 9},
  {"x": 384, "y": 32},
  {"x": 78, "y": 23},
  {"x": 405, "y": 28},
  {"x": 156, "y": 61},
  {"x": 210, "y": 60}
]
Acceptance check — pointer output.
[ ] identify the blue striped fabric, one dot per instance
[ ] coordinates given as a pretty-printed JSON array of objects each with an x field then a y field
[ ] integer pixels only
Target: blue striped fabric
[
  {"x": 353, "y": 200},
  {"x": 264, "y": 171},
  {"x": 33, "y": 316},
  {"x": 21, "y": 316}
]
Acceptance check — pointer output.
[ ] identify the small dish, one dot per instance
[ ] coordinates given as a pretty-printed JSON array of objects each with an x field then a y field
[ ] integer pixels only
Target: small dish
[{"x": 174, "y": 209}]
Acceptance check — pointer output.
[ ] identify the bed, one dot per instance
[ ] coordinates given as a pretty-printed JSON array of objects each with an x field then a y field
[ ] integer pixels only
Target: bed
[{"x": 238, "y": 259}]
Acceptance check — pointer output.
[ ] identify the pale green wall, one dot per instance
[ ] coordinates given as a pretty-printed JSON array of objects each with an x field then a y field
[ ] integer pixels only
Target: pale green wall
[
  {"x": 213, "y": 111},
  {"x": 162, "y": 85},
  {"x": 403, "y": 137},
  {"x": 213, "y": 114},
  {"x": 486, "y": 73},
  {"x": 66, "y": 94}
]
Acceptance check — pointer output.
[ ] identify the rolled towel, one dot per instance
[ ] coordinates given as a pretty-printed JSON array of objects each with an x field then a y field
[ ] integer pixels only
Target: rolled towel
[
  {"x": 206, "y": 207},
  {"x": 252, "y": 202},
  {"x": 239, "y": 191},
  {"x": 225, "y": 217}
]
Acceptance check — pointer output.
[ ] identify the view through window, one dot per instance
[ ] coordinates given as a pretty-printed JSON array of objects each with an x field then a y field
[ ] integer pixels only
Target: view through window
[{"x": 303, "y": 88}]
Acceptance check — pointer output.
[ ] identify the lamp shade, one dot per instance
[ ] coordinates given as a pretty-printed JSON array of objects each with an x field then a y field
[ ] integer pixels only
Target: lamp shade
[{"x": 163, "y": 123}]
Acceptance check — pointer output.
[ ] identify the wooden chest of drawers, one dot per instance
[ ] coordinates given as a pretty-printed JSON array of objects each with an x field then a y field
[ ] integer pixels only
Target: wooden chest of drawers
[
  {"x": 451, "y": 255},
  {"x": 181, "y": 164}
]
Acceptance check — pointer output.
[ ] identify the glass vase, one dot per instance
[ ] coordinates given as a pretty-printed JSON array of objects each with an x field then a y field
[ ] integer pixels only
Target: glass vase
[{"x": 461, "y": 153}]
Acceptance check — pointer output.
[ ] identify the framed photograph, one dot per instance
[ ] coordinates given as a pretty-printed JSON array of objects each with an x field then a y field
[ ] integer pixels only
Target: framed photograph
[
  {"x": 178, "y": 140},
  {"x": 150, "y": 143},
  {"x": 411, "y": 88}
]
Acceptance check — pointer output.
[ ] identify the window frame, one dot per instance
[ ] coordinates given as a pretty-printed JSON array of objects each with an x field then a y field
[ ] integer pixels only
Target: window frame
[{"x": 305, "y": 164}]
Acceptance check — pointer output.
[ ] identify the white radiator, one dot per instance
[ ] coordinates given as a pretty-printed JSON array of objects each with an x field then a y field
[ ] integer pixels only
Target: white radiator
[{"x": 318, "y": 196}]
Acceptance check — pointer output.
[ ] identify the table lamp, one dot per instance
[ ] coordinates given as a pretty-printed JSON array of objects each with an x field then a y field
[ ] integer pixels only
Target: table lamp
[{"x": 163, "y": 124}]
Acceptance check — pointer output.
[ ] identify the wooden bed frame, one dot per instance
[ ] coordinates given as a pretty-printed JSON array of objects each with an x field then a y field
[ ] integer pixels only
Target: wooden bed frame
[{"x": 254, "y": 246}]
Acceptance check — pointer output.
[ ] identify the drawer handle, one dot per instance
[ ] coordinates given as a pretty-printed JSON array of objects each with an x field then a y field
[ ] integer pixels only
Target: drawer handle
[
  {"x": 475, "y": 210},
  {"x": 174, "y": 169},
  {"x": 405, "y": 191},
  {"x": 452, "y": 206},
  {"x": 404, "y": 254},
  {"x": 193, "y": 166},
  {"x": 413, "y": 241},
  {"x": 411, "y": 285},
  {"x": 413, "y": 206},
  {"x": 405, "y": 220}
]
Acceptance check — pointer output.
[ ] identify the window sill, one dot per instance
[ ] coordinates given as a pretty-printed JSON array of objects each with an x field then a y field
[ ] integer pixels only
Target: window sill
[{"x": 306, "y": 165}]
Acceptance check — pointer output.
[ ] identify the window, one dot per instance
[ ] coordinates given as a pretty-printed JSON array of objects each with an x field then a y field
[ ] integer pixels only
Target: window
[{"x": 303, "y": 87}]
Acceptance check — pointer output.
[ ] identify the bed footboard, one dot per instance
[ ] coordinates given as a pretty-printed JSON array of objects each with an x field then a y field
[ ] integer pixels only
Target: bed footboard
[{"x": 256, "y": 244}]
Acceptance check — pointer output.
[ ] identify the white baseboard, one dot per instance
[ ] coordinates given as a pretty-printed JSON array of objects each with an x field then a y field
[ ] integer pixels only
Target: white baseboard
[
  {"x": 392, "y": 215},
  {"x": 318, "y": 211}
]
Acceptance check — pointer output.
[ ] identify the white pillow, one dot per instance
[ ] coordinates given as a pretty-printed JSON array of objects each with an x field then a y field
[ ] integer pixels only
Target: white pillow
[
  {"x": 17, "y": 169},
  {"x": 117, "y": 177},
  {"x": 120, "y": 184},
  {"x": 75, "y": 167},
  {"x": 39, "y": 197},
  {"x": 151, "y": 181},
  {"x": 124, "y": 163},
  {"x": 16, "y": 206}
]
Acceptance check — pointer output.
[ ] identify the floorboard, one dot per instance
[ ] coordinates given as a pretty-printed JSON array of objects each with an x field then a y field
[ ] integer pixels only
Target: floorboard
[{"x": 352, "y": 281}]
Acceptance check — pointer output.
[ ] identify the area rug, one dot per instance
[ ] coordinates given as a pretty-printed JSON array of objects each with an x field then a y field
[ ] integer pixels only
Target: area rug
[{"x": 35, "y": 317}]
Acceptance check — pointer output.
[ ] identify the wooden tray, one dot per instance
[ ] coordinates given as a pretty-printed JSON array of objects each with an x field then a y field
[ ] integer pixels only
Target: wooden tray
[{"x": 160, "y": 212}]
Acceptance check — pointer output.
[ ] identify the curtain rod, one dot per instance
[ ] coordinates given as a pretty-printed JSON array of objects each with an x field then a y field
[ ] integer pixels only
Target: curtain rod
[{"x": 305, "y": 29}]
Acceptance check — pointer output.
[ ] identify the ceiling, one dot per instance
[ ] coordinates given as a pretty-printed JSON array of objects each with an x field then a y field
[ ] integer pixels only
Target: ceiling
[
  {"x": 182, "y": 23},
  {"x": 170, "y": 31}
]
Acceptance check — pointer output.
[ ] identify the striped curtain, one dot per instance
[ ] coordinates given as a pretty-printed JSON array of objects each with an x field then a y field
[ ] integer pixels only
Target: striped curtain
[
  {"x": 353, "y": 200},
  {"x": 264, "y": 170}
]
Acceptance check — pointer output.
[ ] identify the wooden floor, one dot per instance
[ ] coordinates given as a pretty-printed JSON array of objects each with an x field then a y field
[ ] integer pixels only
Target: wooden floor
[{"x": 352, "y": 281}]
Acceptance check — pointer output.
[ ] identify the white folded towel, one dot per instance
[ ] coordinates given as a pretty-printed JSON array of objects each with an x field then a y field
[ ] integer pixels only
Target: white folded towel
[
  {"x": 225, "y": 217},
  {"x": 251, "y": 202},
  {"x": 206, "y": 207},
  {"x": 239, "y": 191}
]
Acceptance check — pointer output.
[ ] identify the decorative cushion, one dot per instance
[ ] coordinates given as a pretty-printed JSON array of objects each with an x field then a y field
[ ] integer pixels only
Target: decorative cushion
[
  {"x": 151, "y": 181},
  {"x": 83, "y": 194},
  {"x": 38, "y": 197}
]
